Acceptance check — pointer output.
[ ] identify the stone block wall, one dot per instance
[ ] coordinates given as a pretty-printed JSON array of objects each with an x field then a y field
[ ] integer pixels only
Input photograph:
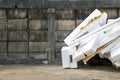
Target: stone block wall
[{"x": 24, "y": 32}]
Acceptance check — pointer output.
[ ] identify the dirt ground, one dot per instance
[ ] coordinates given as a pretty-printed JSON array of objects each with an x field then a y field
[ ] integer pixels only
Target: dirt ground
[{"x": 54, "y": 72}]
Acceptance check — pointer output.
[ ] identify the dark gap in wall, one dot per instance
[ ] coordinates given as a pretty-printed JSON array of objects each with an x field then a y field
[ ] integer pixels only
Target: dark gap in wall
[
  {"x": 75, "y": 14},
  {"x": 118, "y": 12},
  {"x": 28, "y": 31},
  {"x": 16, "y": 6},
  {"x": 7, "y": 31}
]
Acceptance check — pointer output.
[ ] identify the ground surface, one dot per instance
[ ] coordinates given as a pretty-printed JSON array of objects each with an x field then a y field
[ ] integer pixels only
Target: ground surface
[{"x": 20, "y": 72}]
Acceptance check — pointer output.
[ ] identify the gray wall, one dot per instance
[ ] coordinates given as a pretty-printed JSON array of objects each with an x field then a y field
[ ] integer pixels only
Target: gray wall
[{"x": 24, "y": 33}]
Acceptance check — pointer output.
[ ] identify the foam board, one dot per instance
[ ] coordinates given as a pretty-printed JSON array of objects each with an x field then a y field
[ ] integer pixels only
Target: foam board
[
  {"x": 96, "y": 31},
  {"x": 86, "y": 50},
  {"x": 88, "y": 26},
  {"x": 115, "y": 55},
  {"x": 67, "y": 57}
]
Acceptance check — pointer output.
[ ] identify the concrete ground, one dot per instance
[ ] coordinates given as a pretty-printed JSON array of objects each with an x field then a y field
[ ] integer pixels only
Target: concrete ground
[{"x": 53, "y": 72}]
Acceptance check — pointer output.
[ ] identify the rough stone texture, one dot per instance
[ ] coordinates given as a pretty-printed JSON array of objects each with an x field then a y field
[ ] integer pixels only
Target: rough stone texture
[
  {"x": 36, "y": 3},
  {"x": 38, "y": 55},
  {"x": 38, "y": 47},
  {"x": 3, "y": 24},
  {"x": 38, "y": 24},
  {"x": 18, "y": 55},
  {"x": 59, "y": 45},
  {"x": 17, "y": 13},
  {"x": 18, "y": 36},
  {"x": 3, "y": 35},
  {"x": 112, "y": 13},
  {"x": 51, "y": 33},
  {"x": 83, "y": 13},
  {"x": 23, "y": 3},
  {"x": 3, "y": 55},
  {"x": 38, "y": 13},
  {"x": 7, "y": 3},
  {"x": 18, "y": 46},
  {"x": 17, "y": 24},
  {"x": 65, "y": 24},
  {"x": 78, "y": 22},
  {"x": 3, "y": 47},
  {"x": 61, "y": 35},
  {"x": 38, "y": 36},
  {"x": 64, "y": 14},
  {"x": 2, "y": 14}
]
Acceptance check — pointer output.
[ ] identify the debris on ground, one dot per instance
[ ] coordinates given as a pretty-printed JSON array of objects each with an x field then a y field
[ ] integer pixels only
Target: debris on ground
[{"x": 95, "y": 35}]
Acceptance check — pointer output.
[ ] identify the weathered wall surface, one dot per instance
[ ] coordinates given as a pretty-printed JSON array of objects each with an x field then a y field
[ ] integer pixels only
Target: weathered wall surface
[
  {"x": 24, "y": 32},
  {"x": 25, "y": 29}
]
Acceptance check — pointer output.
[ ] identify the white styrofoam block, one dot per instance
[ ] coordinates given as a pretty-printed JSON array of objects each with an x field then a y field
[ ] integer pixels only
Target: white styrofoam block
[
  {"x": 73, "y": 64},
  {"x": 65, "y": 57},
  {"x": 96, "y": 31},
  {"x": 111, "y": 46},
  {"x": 67, "y": 53},
  {"x": 74, "y": 34},
  {"x": 89, "y": 48},
  {"x": 116, "y": 46},
  {"x": 117, "y": 64},
  {"x": 78, "y": 56},
  {"x": 110, "y": 34},
  {"x": 107, "y": 38},
  {"x": 115, "y": 55},
  {"x": 110, "y": 20}
]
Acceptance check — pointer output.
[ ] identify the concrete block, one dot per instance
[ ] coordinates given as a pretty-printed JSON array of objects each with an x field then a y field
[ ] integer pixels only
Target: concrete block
[
  {"x": 59, "y": 45},
  {"x": 17, "y": 24},
  {"x": 112, "y": 13},
  {"x": 64, "y": 14},
  {"x": 23, "y": 3},
  {"x": 18, "y": 36},
  {"x": 61, "y": 35},
  {"x": 38, "y": 55},
  {"x": 83, "y": 13},
  {"x": 3, "y": 24},
  {"x": 38, "y": 47},
  {"x": 18, "y": 55},
  {"x": 18, "y": 46},
  {"x": 67, "y": 57},
  {"x": 38, "y": 36},
  {"x": 65, "y": 24},
  {"x": 38, "y": 24},
  {"x": 3, "y": 35},
  {"x": 2, "y": 14},
  {"x": 38, "y": 13},
  {"x": 78, "y": 22},
  {"x": 7, "y": 3},
  {"x": 17, "y": 13},
  {"x": 3, "y": 55},
  {"x": 3, "y": 47}
]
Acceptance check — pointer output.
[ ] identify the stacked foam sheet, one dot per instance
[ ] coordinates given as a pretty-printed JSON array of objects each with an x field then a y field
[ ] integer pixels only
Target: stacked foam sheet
[{"x": 91, "y": 37}]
